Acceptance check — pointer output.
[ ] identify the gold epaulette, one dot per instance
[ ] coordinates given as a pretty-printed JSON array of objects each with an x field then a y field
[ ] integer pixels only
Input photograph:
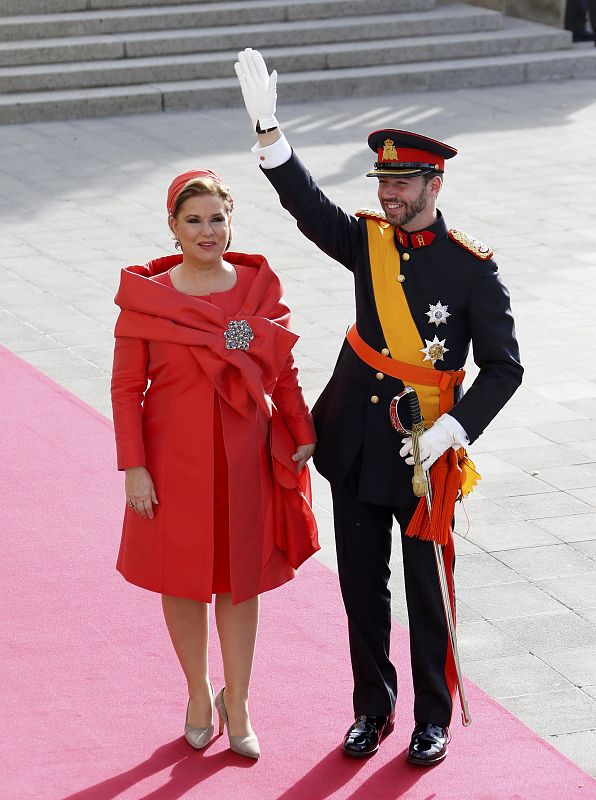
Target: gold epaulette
[
  {"x": 368, "y": 213},
  {"x": 477, "y": 248}
]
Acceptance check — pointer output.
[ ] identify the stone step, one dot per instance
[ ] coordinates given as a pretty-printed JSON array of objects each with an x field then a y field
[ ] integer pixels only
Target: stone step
[
  {"x": 20, "y": 7},
  {"x": 191, "y": 15},
  {"x": 447, "y": 19},
  {"x": 297, "y": 87},
  {"x": 516, "y": 37}
]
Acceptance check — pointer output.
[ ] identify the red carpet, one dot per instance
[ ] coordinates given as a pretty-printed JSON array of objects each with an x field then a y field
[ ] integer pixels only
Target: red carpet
[{"x": 93, "y": 700}]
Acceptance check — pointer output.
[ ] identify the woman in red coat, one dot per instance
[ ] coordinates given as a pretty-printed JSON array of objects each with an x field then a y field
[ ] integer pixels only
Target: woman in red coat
[{"x": 213, "y": 433}]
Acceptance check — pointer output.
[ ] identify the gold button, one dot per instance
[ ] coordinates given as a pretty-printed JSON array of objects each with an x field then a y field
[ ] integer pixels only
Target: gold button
[
  {"x": 374, "y": 399},
  {"x": 401, "y": 278},
  {"x": 385, "y": 351},
  {"x": 379, "y": 376},
  {"x": 406, "y": 256}
]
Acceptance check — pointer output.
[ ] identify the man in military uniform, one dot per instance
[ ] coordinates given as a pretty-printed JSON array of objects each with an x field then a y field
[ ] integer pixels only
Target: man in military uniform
[{"x": 423, "y": 293}]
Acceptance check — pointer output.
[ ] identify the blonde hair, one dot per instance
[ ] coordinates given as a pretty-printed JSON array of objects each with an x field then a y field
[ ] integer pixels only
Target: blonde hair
[{"x": 200, "y": 186}]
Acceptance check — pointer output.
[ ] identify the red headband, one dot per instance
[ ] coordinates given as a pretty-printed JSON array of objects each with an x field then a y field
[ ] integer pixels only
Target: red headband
[{"x": 181, "y": 182}]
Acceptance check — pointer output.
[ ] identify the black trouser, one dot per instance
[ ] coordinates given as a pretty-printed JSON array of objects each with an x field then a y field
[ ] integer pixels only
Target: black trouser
[
  {"x": 363, "y": 541},
  {"x": 575, "y": 15}
]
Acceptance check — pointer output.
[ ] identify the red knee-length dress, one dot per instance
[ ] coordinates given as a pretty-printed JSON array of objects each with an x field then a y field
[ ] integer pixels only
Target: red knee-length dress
[{"x": 215, "y": 428}]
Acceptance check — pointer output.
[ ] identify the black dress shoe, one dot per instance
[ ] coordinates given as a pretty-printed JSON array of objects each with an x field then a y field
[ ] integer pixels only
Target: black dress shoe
[
  {"x": 428, "y": 745},
  {"x": 583, "y": 36},
  {"x": 364, "y": 736}
]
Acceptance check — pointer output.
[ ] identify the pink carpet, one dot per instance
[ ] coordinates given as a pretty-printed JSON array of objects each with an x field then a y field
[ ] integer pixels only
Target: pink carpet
[{"x": 92, "y": 699}]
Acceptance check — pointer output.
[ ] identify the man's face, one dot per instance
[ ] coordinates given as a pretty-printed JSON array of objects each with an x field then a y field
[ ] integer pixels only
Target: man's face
[{"x": 403, "y": 199}]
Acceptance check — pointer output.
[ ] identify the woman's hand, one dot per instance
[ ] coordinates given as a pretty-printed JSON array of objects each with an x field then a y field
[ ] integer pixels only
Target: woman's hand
[
  {"x": 302, "y": 454},
  {"x": 140, "y": 492}
]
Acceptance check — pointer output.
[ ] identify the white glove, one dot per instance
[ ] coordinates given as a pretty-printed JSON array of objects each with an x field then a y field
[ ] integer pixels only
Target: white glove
[
  {"x": 445, "y": 433},
  {"x": 259, "y": 89}
]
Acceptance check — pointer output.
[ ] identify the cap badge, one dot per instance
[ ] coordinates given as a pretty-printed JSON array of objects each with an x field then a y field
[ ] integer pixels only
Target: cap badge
[
  {"x": 389, "y": 151},
  {"x": 435, "y": 350},
  {"x": 437, "y": 314},
  {"x": 238, "y": 335}
]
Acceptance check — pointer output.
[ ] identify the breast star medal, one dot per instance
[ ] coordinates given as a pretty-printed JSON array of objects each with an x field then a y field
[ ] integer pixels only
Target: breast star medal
[
  {"x": 438, "y": 313},
  {"x": 435, "y": 350}
]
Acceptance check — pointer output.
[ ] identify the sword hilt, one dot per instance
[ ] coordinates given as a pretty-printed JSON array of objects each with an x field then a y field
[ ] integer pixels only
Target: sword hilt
[{"x": 419, "y": 480}]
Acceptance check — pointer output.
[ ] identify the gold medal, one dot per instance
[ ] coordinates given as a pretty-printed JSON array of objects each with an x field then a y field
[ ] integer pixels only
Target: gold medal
[{"x": 435, "y": 350}]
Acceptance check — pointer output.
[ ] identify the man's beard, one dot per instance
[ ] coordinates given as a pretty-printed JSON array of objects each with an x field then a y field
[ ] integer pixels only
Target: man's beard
[{"x": 409, "y": 210}]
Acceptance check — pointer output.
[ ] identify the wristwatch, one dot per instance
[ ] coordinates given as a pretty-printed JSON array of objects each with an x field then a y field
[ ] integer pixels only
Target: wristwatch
[{"x": 266, "y": 130}]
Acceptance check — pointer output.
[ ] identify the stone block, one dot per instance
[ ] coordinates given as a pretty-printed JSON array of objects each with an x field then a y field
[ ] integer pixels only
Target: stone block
[
  {"x": 322, "y": 10},
  {"x": 61, "y": 365},
  {"x": 579, "y": 476},
  {"x": 587, "y": 494},
  {"x": 477, "y": 510},
  {"x": 541, "y": 457},
  {"x": 544, "y": 634},
  {"x": 501, "y": 537},
  {"x": 513, "y": 676},
  {"x": 192, "y": 15},
  {"x": 576, "y": 591},
  {"x": 572, "y": 528},
  {"x": 567, "y": 65},
  {"x": 579, "y": 746},
  {"x": 577, "y": 665},
  {"x": 540, "y": 563},
  {"x": 495, "y": 440},
  {"x": 568, "y": 431},
  {"x": 548, "y": 12},
  {"x": 51, "y": 51},
  {"x": 510, "y": 600},
  {"x": 539, "y": 506},
  {"x": 75, "y": 104},
  {"x": 587, "y": 548},
  {"x": 510, "y": 485},
  {"x": 557, "y": 712},
  {"x": 483, "y": 640},
  {"x": 482, "y": 569}
]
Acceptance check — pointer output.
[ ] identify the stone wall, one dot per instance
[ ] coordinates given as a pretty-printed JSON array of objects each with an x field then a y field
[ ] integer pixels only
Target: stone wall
[{"x": 549, "y": 12}]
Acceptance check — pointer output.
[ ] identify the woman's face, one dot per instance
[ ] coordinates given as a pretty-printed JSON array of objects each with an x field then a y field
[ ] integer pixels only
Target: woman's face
[{"x": 202, "y": 226}]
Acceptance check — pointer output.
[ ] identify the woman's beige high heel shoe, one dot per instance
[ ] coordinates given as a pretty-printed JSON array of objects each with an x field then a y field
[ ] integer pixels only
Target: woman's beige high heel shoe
[
  {"x": 198, "y": 737},
  {"x": 244, "y": 745}
]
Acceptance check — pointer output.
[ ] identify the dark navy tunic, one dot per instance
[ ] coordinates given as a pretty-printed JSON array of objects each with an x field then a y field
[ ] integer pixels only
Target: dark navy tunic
[{"x": 348, "y": 423}]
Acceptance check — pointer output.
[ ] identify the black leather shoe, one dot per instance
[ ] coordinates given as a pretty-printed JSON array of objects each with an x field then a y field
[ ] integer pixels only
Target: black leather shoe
[
  {"x": 428, "y": 745},
  {"x": 583, "y": 36},
  {"x": 364, "y": 736}
]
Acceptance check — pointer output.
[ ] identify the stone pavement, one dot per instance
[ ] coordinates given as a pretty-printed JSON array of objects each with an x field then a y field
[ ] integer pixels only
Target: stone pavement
[{"x": 81, "y": 199}]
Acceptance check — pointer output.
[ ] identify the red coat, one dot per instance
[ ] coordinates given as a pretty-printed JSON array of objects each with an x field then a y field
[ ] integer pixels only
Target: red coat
[{"x": 176, "y": 342}]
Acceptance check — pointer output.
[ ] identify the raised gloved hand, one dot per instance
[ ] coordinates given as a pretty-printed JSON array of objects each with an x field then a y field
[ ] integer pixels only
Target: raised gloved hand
[
  {"x": 259, "y": 89},
  {"x": 445, "y": 433}
]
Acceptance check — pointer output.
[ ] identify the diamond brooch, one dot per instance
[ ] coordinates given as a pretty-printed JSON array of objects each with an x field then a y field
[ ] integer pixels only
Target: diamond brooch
[{"x": 238, "y": 335}]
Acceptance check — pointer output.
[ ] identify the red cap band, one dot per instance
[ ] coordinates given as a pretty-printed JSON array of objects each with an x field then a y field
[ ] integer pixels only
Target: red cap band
[
  {"x": 181, "y": 182},
  {"x": 408, "y": 155}
]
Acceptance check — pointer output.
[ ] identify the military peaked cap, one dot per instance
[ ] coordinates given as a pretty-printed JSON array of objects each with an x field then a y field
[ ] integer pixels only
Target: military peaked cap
[{"x": 405, "y": 154}]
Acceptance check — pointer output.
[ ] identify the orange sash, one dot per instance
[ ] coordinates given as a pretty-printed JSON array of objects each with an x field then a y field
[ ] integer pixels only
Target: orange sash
[{"x": 445, "y": 381}]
